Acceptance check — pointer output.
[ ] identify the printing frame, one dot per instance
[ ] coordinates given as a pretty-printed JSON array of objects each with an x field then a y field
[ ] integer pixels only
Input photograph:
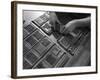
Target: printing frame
[{"x": 14, "y": 44}]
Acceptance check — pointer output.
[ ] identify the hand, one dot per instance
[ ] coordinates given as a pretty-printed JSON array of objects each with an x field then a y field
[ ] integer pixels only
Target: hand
[
  {"x": 72, "y": 25},
  {"x": 54, "y": 21},
  {"x": 77, "y": 23}
]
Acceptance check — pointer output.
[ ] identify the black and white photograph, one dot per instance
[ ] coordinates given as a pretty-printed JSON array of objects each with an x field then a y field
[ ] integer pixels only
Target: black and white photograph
[
  {"x": 53, "y": 39},
  {"x": 56, "y": 39}
]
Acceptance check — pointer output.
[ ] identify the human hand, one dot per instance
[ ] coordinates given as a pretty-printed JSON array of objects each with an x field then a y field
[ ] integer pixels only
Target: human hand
[
  {"x": 54, "y": 21},
  {"x": 77, "y": 23},
  {"x": 70, "y": 26}
]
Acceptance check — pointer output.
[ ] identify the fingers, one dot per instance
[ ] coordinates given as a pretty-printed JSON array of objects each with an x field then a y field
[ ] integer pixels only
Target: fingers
[
  {"x": 71, "y": 25},
  {"x": 78, "y": 23},
  {"x": 52, "y": 19}
]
